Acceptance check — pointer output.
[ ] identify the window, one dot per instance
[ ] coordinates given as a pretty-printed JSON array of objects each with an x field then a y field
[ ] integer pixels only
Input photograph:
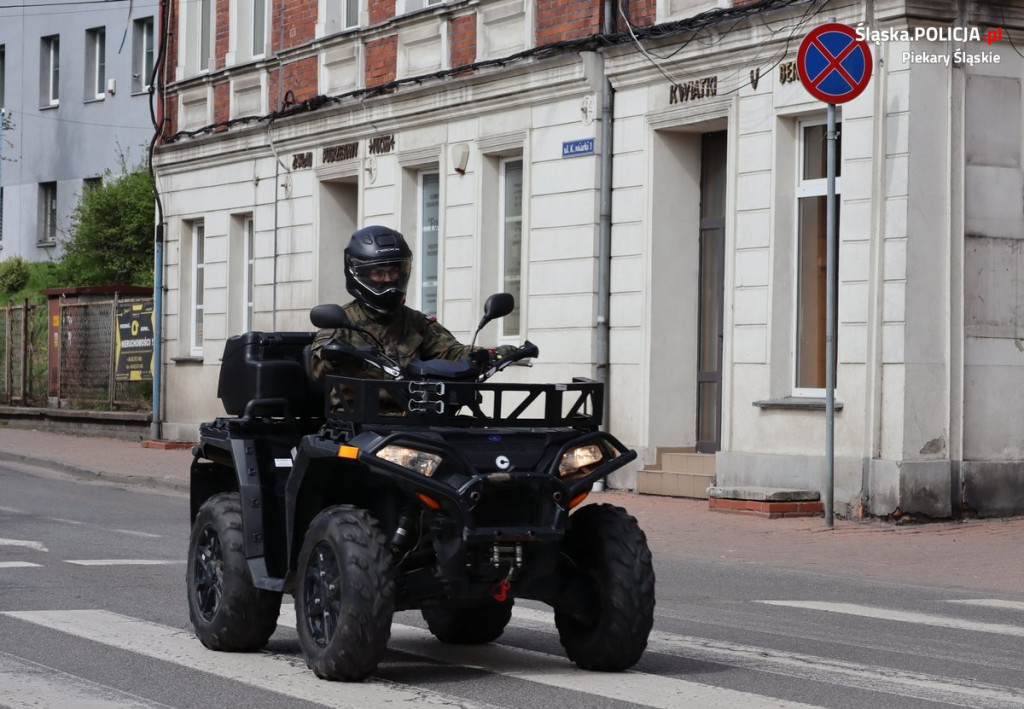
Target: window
[
  {"x": 198, "y": 286},
  {"x": 350, "y": 13},
  {"x": 337, "y": 16},
  {"x": 811, "y": 260},
  {"x": 429, "y": 199},
  {"x": 91, "y": 183},
  {"x": 142, "y": 54},
  {"x": 205, "y": 33},
  {"x": 49, "y": 80},
  {"x": 47, "y": 212},
  {"x": 95, "y": 63},
  {"x": 259, "y": 28},
  {"x": 250, "y": 271},
  {"x": 510, "y": 257},
  {"x": 3, "y": 73}
]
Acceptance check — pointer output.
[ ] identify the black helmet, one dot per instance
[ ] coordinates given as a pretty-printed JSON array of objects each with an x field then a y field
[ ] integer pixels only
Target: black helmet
[{"x": 377, "y": 267}]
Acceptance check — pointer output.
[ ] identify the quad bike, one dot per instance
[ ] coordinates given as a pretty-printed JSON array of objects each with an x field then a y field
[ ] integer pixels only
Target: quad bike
[{"x": 427, "y": 489}]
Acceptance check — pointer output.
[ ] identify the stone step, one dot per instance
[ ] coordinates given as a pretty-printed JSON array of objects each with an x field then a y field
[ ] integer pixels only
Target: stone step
[
  {"x": 673, "y": 484},
  {"x": 692, "y": 463},
  {"x": 767, "y": 502}
]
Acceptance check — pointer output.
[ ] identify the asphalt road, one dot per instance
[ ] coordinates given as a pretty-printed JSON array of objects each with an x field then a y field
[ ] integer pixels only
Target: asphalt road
[{"x": 93, "y": 614}]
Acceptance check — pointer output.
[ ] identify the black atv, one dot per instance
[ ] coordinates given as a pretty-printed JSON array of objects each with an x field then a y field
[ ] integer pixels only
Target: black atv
[{"x": 429, "y": 489}]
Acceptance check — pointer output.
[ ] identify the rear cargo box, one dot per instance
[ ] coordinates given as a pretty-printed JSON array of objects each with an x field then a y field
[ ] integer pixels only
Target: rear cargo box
[{"x": 269, "y": 367}]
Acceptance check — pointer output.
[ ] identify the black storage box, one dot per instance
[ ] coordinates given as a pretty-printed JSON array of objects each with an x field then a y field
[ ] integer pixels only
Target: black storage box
[{"x": 268, "y": 366}]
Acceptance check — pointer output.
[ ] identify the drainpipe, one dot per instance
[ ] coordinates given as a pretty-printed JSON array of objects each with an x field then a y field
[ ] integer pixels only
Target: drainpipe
[
  {"x": 156, "y": 425},
  {"x": 604, "y": 249}
]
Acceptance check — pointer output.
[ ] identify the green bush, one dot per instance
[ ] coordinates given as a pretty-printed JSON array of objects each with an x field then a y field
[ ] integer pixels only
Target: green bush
[
  {"x": 14, "y": 274},
  {"x": 112, "y": 233}
]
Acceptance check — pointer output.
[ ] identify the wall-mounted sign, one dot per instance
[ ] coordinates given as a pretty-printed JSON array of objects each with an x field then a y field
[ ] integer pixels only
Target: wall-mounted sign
[
  {"x": 572, "y": 148},
  {"x": 338, "y": 153},
  {"x": 381, "y": 144},
  {"x": 134, "y": 341},
  {"x": 301, "y": 160},
  {"x": 693, "y": 90},
  {"x": 788, "y": 73}
]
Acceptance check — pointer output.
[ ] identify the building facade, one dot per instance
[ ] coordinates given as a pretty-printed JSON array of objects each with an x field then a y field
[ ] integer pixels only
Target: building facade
[
  {"x": 74, "y": 86},
  {"x": 648, "y": 179}
]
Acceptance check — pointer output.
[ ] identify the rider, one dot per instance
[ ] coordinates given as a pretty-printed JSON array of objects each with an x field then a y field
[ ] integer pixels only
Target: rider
[{"x": 378, "y": 264}]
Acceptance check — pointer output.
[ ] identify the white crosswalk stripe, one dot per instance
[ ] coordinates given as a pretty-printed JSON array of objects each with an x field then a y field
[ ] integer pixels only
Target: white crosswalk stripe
[
  {"x": 27, "y": 544},
  {"x": 25, "y": 684},
  {"x": 124, "y": 562},
  {"x": 992, "y": 603},
  {"x": 16, "y": 564},
  {"x": 286, "y": 673},
  {"x": 276, "y": 673},
  {"x": 817, "y": 669},
  {"x": 556, "y": 671},
  {"x": 889, "y": 614}
]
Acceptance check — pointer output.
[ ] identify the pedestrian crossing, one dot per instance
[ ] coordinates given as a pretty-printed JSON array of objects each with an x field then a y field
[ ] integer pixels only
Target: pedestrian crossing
[{"x": 282, "y": 671}]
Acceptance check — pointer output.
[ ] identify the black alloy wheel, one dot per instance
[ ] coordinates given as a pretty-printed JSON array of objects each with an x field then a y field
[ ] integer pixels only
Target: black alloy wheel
[{"x": 227, "y": 611}]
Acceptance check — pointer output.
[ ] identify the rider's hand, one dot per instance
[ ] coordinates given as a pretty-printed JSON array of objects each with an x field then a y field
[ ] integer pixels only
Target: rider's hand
[{"x": 502, "y": 351}]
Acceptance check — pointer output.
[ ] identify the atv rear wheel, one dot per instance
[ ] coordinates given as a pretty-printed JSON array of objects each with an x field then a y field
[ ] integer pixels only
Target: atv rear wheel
[
  {"x": 474, "y": 625},
  {"x": 609, "y": 561},
  {"x": 227, "y": 611},
  {"x": 344, "y": 595}
]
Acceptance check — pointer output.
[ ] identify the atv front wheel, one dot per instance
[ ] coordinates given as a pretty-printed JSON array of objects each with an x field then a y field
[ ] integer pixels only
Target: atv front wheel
[
  {"x": 609, "y": 564},
  {"x": 474, "y": 625},
  {"x": 227, "y": 611},
  {"x": 344, "y": 595}
]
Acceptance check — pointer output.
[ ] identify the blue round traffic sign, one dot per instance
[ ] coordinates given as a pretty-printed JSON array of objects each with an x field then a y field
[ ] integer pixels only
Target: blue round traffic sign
[{"x": 834, "y": 64}]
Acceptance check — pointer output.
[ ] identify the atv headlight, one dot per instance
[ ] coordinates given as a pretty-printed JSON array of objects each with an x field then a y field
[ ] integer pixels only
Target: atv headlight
[
  {"x": 417, "y": 461},
  {"x": 576, "y": 459}
]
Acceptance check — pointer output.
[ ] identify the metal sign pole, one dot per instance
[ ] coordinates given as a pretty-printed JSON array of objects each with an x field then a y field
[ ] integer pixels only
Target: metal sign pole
[{"x": 830, "y": 318}]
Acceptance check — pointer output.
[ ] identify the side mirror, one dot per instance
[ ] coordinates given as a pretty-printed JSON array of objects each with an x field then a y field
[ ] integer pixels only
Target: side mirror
[
  {"x": 329, "y": 316},
  {"x": 497, "y": 306}
]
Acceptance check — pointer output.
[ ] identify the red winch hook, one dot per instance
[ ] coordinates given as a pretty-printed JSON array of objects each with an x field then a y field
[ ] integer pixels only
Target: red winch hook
[{"x": 500, "y": 590}]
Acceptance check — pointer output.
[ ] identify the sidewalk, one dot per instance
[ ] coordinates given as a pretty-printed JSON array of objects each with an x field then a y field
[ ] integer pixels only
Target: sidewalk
[{"x": 979, "y": 554}]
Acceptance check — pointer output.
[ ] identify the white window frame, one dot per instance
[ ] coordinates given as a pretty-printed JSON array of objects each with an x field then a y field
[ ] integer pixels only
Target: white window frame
[
  {"x": 423, "y": 228},
  {"x": 504, "y": 219},
  {"x": 198, "y": 287},
  {"x": 96, "y": 62},
  {"x": 144, "y": 54},
  {"x": 806, "y": 188},
  {"x": 50, "y": 82}
]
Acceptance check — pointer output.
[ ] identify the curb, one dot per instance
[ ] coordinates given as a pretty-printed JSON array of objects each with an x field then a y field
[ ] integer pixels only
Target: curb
[{"x": 78, "y": 472}]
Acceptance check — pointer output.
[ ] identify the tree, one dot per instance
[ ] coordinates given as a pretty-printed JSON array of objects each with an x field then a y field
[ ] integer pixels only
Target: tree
[{"x": 111, "y": 234}]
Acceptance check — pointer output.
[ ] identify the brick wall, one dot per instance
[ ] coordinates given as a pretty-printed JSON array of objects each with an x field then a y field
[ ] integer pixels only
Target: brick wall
[
  {"x": 381, "y": 59},
  {"x": 641, "y": 13},
  {"x": 380, "y": 11},
  {"x": 221, "y": 102},
  {"x": 221, "y": 30},
  {"x": 299, "y": 21},
  {"x": 559, "y": 20},
  {"x": 299, "y": 77},
  {"x": 462, "y": 38}
]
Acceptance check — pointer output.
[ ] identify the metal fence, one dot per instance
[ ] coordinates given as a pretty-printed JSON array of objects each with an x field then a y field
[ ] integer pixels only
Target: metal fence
[
  {"x": 23, "y": 354},
  {"x": 81, "y": 375}
]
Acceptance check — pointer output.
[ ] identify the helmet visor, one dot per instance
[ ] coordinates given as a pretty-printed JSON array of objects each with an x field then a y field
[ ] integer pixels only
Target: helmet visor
[{"x": 382, "y": 277}]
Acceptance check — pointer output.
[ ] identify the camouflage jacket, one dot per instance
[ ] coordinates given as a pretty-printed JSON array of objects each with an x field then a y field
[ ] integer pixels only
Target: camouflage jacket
[{"x": 405, "y": 334}]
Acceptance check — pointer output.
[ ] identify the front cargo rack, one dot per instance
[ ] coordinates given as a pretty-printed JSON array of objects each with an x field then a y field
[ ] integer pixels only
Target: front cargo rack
[{"x": 465, "y": 404}]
